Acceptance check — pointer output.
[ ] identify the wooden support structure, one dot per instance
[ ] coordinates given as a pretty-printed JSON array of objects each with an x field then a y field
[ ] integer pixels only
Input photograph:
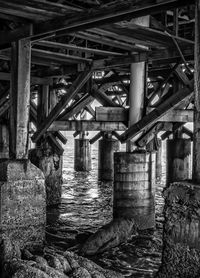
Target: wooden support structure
[
  {"x": 96, "y": 137},
  {"x": 157, "y": 113},
  {"x": 74, "y": 89},
  {"x": 86, "y": 125},
  {"x": 20, "y": 98},
  {"x": 196, "y": 136},
  {"x": 111, "y": 114}
]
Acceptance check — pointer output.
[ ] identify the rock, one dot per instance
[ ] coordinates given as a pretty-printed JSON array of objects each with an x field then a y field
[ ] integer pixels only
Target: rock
[
  {"x": 40, "y": 260},
  {"x": 54, "y": 262},
  {"x": 52, "y": 272},
  {"x": 110, "y": 235},
  {"x": 10, "y": 249},
  {"x": 80, "y": 273},
  {"x": 65, "y": 264},
  {"x": 30, "y": 272},
  {"x": 72, "y": 259}
]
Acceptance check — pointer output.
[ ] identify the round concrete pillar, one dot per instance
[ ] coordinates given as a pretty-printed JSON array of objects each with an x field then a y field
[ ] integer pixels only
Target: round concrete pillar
[
  {"x": 107, "y": 147},
  {"x": 178, "y": 159},
  {"x": 134, "y": 187},
  {"x": 82, "y": 155}
]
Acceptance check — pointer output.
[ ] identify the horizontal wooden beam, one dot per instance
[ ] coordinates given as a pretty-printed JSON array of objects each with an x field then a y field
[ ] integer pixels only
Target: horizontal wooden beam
[
  {"x": 78, "y": 48},
  {"x": 85, "y": 20},
  {"x": 34, "y": 79},
  {"x": 86, "y": 126},
  {"x": 111, "y": 114},
  {"x": 157, "y": 113},
  {"x": 176, "y": 115},
  {"x": 74, "y": 89}
]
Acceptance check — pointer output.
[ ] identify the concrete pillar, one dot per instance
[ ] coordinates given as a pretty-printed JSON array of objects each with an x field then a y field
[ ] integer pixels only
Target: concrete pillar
[
  {"x": 22, "y": 206},
  {"x": 82, "y": 155},
  {"x": 134, "y": 187},
  {"x": 159, "y": 161},
  {"x": 45, "y": 158},
  {"x": 137, "y": 86},
  {"x": 107, "y": 147},
  {"x": 178, "y": 159},
  {"x": 181, "y": 240}
]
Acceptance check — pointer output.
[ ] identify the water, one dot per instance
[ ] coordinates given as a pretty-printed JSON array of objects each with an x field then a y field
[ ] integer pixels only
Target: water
[{"x": 86, "y": 206}]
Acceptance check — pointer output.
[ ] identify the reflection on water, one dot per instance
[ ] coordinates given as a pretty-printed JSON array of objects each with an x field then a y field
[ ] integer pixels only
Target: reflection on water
[{"x": 86, "y": 206}]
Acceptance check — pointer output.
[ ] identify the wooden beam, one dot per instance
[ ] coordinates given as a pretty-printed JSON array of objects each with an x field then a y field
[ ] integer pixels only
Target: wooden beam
[
  {"x": 92, "y": 19},
  {"x": 4, "y": 107},
  {"x": 176, "y": 126},
  {"x": 80, "y": 126},
  {"x": 20, "y": 99},
  {"x": 96, "y": 137},
  {"x": 34, "y": 79},
  {"x": 151, "y": 133},
  {"x": 177, "y": 115},
  {"x": 196, "y": 136},
  {"x": 99, "y": 95},
  {"x": 78, "y": 48},
  {"x": 75, "y": 107},
  {"x": 111, "y": 114},
  {"x": 53, "y": 142},
  {"x": 157, "y": 113},
  {"x": 74, "y": 89},
  {"x": 61, "y": 137}
]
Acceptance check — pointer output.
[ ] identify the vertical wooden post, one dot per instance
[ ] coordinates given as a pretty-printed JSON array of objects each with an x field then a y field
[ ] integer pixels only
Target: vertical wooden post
[
  {"x": 196, "y": 142},
  {"x": 43, "y": 101},
  {"x": 20, "y": 98}
]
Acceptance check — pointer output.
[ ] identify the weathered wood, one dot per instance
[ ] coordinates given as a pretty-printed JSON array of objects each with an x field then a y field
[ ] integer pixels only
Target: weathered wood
[
  {"x": 103, "y": 98},
  {"x": 178, "y": 115},
  {"x": 196, "y": 136},
  {"x": 61, "y": 137},
  {"x": 169, "y": 132},
  {"x": 20, "y": 99},
  {"x": 4, "y": 107},
  {"x": 57, "y": 147},
  {"x": 74, "y": 89},
  {"x": 151, "y": 133},
  {"x": 34, "y": 79},
  {"x": 78, "y": 48},
  {"x": 157, "y": 113},
  {"x": 88, "y": 20},
  {"x": 111, "y": 114},
  {"x": 96, "y": 137},
  {"x": 86, "y": 126},
  {"x": 43, "y": 104},
  {"x": 75, "y": 107}
]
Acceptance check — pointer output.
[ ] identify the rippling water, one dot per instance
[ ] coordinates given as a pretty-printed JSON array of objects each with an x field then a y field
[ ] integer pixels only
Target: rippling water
[{"x": 87, "y": 205}]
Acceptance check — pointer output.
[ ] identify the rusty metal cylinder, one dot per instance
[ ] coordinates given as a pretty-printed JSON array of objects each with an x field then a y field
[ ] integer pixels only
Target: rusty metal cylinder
[
  {"x": 82, "y": 155},
  {"x": 178, "y": 160},
  {"x": 107, "y": 147},
  {"x": 134, "y": 187}
]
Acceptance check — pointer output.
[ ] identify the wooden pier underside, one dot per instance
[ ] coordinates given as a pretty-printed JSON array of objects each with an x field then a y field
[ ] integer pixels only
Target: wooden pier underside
[{"x": 79, "y": 55}]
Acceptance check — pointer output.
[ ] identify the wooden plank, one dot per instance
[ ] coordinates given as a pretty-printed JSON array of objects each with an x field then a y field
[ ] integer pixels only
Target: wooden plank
[
  {"x": 77, "y": 48},
  {"x": 96, "y": 137},
  {"x": 74, "y": 89},
  {"x": 53, "y": 142},
  {"x": 111, "y": 114},
  {"x": 99, "y": 95},
  {"x": 20, "y": 99},
  {"x": 75, "y": 107},
  {"x": 61, "y": 137},
  {"x": 43, "y": 104},
  {"x": 80, "y": 126},
  {"x": 196, "y": 135},
  {"x": 4, "y": 107},
  {"x": 34, "y": 79},
  {"x": 176, "y": 115},
  {"x": 151, "y": 133},
  {"x": 92, "y": 19},
  {"x": 157, "y": 113}
]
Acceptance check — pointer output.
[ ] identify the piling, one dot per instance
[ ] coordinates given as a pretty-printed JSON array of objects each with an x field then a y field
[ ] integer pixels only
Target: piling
[
  {"x": 107, "y": 147},
  {"x": 134, "y": 187},
  {"x": 82, "y": 155},
  {"x": 178, "y": 159}
]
